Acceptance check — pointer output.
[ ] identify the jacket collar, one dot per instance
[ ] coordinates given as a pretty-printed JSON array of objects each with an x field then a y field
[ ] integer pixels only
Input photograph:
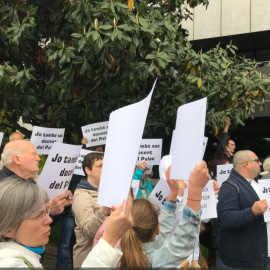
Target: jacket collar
[{"x": 237, "y": 177}]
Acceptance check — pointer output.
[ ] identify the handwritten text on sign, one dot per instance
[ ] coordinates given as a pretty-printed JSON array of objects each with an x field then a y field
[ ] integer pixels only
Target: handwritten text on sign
[
  {"x": 150, "y": 151},
  {"x": 264, "y": 185},
  {"x": 58, "y": 169},
  {"x": 96, "y": 133},
  {"x": 43, "y": 138}
]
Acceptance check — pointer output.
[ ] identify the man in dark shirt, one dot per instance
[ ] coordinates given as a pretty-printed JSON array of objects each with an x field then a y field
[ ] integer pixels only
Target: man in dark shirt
[{"x": 226, "y": 147}]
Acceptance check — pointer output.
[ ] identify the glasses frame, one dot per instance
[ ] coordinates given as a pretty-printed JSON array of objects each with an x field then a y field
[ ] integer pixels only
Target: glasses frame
[
  {"x": 42, "y": 215},
  {"x": 249, "y": 160}
]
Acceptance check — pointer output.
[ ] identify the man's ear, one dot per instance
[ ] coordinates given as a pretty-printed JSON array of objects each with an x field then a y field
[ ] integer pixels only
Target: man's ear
[
  {"x": 88, "y": 171},
  {"x": 16, "y": 159},
  {"x": 10, "y": 234}
]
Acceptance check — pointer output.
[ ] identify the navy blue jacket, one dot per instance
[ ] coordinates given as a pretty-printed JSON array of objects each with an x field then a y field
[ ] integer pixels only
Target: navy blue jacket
[{"x": 242, "y": 237}]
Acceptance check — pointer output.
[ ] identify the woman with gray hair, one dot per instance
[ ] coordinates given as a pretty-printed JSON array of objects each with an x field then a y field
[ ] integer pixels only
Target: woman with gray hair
[{"x": 24, "y": 223}]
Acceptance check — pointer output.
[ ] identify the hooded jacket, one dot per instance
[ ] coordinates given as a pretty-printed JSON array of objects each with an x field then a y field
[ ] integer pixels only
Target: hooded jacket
[{"x": 88, "y": 218}]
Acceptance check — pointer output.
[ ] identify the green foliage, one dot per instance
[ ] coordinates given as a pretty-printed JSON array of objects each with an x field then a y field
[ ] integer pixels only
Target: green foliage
[{"x": 70, "y": 63}]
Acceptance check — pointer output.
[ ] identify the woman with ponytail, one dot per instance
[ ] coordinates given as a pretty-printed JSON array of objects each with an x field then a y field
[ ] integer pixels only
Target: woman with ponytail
[{"x": 142, "y": 245}]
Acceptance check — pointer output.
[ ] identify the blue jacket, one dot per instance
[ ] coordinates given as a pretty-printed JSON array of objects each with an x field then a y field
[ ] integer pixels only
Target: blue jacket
[
  {"x": 242, "y": 237},
  {"x": 144, "y": 184},
  {"x": 183, "y": 242}
]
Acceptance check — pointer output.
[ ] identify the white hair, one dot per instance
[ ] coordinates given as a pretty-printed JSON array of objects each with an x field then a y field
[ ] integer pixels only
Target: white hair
[
  {"x": 266, "y": 164},
  {"x": 9, "y": 152}
]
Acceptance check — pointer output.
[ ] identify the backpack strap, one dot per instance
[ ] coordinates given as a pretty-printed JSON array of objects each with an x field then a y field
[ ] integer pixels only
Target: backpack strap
[
  {"x": 231, "y": 182},
  {"x": 26, "y": 262}
]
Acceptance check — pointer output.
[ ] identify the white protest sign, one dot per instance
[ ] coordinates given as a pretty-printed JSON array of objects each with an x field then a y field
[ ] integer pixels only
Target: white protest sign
[
  {"x": 58, "y": 169},
  {"x": 159, "y": 194},
  {"x": 135, "y": 184},
  {"x": 223, "y": 172},
  {"x": 204, "y": 145},
  {"x": 124, "y": 136},
  {"x": 43, "y": 138},
  {"x": 78, "y": 168},
  {"x": 149, "y": 169},
  {"x": 96, "y": 133},
  {"x": 187, "y": 140},
  {"x": 1, "y": 137},
  {"x": 264, "y": 185},
  {"x": 150, "y": 151},
  {"x": 208, "y": 202}
]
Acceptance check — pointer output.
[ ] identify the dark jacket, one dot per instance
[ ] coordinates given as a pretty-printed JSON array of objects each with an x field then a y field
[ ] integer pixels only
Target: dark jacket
[
  {"x": 220, "y": 153},
  {"x": 5, "y": 172},
  {"x": 242, "y": 237}
]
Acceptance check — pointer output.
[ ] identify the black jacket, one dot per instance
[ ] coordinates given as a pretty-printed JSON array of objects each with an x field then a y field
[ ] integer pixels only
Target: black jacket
[
  {"x": 242, "y": 237},
  {"x": 5, "y": 172},
  {"x": 220, "y": 153}
]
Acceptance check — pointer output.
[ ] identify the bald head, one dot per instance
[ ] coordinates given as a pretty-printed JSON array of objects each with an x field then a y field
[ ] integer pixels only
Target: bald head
[
  {"x": 20, "y": 157},
  {"x": 246, "y": 163},
  {"x": 15, "y": 136},
  {"x": 241, "y": 156}
]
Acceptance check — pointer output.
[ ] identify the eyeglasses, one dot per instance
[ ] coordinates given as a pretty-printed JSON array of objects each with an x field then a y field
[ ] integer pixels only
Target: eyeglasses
[
  {"x": 257, "y": 160},
  {"x": 42, "y": 214}
]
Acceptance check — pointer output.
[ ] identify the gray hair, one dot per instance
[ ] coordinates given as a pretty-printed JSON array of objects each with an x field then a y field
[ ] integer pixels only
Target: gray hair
[
  {"x": 266, "y": 164},
  {"x": 10, "y": 150},
  {"x": 241, "y": 156},
  {"x": 19, "y": 200}
]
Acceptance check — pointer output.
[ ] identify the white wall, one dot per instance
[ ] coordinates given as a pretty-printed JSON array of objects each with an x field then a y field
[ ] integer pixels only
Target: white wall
[{"x": 228, "y": 17}]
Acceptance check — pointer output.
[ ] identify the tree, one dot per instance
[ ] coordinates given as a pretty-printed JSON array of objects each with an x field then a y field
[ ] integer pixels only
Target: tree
[{"x": 71, "y": 63}]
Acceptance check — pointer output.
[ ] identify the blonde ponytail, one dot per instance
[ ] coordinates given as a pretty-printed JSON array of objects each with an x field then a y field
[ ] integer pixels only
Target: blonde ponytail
[{"x": 145, "y": 222}]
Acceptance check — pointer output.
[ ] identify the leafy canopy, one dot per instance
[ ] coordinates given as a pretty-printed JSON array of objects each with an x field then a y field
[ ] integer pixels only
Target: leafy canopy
[{"x": 72, "y": 62}]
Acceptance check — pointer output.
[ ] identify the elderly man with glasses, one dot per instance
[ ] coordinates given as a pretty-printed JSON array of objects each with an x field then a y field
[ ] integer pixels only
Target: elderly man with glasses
[{"x": 243, "y": 234}]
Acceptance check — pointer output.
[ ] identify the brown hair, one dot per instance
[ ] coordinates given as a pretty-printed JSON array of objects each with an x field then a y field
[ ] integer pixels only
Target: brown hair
[{"x": 145, "y": 223}]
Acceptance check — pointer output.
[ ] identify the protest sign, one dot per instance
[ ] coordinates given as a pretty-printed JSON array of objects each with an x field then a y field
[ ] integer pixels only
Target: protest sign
[
  {"x": 150, "y": 151},
  {"x": 208, "y": 201},
  {"x": 223, "y": 172},
  {"x": 204, "y": 145},
  {"x": 78, "y": 168},
  {"x": 58, "y": 169},
  {"x": 124, "y": 136},
  {"x": 149, "y": 169},
  {"x": 96, "y": 133},
  {"x": 159, "y": 194},
  {"x": 264, "y": 185},
  {"x": 43, "y": 138},
  {"x": 1, "y": 137},
  {"x": 135, "y": 184},
  {"x": 187, "y": 140}
]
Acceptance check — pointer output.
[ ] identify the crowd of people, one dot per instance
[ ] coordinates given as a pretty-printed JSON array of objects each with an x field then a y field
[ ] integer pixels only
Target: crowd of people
[{"x": 136, "y": 234}]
